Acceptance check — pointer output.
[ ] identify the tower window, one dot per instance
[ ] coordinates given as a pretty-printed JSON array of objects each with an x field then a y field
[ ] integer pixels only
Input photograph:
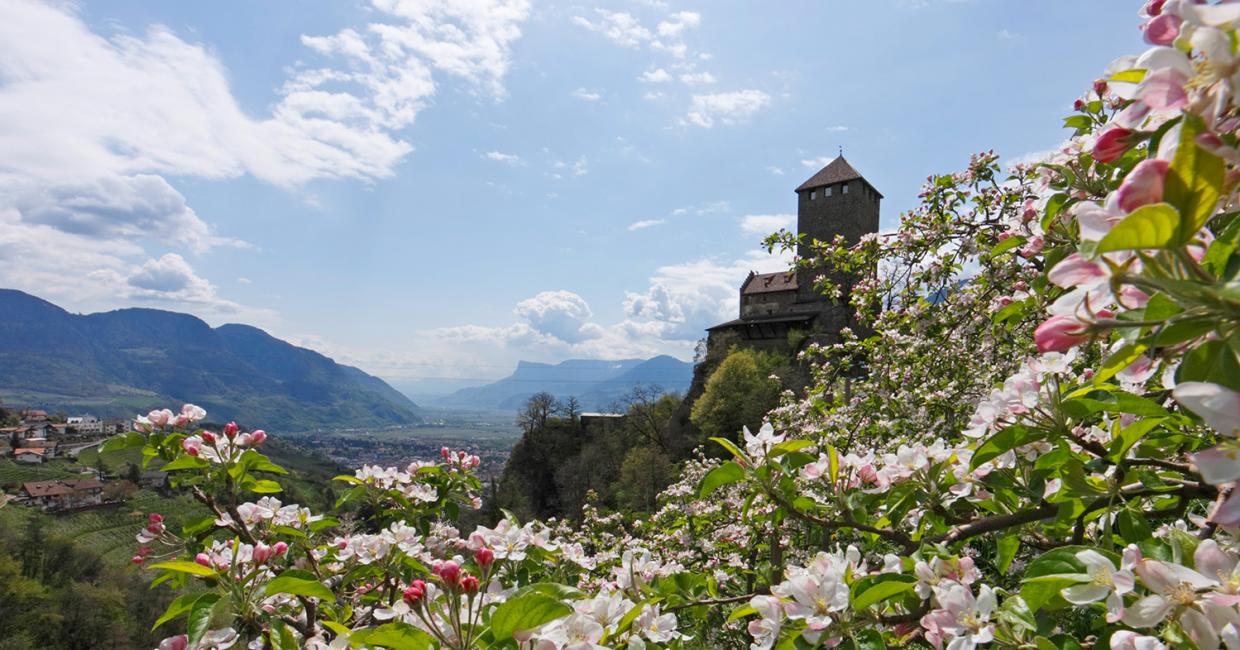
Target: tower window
[
  {"x": 813, "y": 194},
  {"x": 845, "y": 190},
  {"x": 826, "y": 191}
]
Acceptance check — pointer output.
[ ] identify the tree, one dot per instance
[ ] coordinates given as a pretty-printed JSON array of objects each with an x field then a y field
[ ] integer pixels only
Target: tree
[
  {"x": 645, "y": 473},
  {"x": 571, "y": 408},
  {"x": 537, "y": 410},
  {"x": 738, "y": 394},
  {"x": 647, "y": 410}
]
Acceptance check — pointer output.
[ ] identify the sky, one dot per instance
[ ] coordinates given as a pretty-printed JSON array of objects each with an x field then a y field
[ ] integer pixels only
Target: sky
[{"x": 434, "y": 189}]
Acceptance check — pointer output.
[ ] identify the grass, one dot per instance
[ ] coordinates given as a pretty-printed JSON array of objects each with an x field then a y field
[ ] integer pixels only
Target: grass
[{"x": 11, "y": 472}]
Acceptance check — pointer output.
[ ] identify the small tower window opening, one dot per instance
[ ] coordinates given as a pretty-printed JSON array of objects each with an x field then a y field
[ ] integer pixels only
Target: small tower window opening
[
  {"x": 813, "y": 194},
  {"x": 845, "y": 190},
  {"x": 826, "y": 191}
]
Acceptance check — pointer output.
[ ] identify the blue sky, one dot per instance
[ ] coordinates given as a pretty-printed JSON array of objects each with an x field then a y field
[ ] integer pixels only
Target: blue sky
[{"x": 433, "y": 190}]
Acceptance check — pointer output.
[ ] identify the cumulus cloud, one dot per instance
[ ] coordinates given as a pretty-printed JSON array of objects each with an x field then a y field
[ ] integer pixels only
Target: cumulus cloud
[
  {"x": 816, "y": 163},
  {"x": 618, "y": 27},
  {"x": 697, "y": 78},
  {"x": 645, "y": 223},
  {"x": 655, "y": 76},
  {"x": 765, "y": 224},
  {"x": 111, "y": 207},
  {"x": 581, "y": 166},
  {"x": 506, "y": 158},
  {"x": 726, "y": 108},
  {"x": 562, "y": 314},
  {"x": 92, "y": 124},
  {"x": 587, "y": 95}
]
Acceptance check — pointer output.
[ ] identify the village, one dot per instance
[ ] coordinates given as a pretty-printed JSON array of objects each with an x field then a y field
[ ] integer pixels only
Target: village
[{"x": 54, "y": 443}]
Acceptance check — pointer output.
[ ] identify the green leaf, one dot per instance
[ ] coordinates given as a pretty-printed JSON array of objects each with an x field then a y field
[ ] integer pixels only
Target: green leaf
[
  {"x": 265, "y": 487},
  {"x": 299, "y": 583},
  {"x": 525, "y": 613},
  {"x": 726, "y": 473},
  {"x": 183, "y": 566},
  {"x": 1129, "y": 76},
  {"x": 868, "y": 639},
  {"x": 1007, "y": 545},
  {"x": 789, "y": 446},
  {"x": 1212, "y": 362},
  {"x": 182, "y": 606},
  {"x": 880, "y": 592},
  {"x": 1003, "y": 441},
  {"x": 1196, "y": 178},
  {"x": 833, "y": 463},
  {"x": 730, "y": 446},
  {"x": 185, "y": 462},
  {"x": 261, "y": 463},
  {"x": 742, "y": 612},
  {"x": 1130, "y": 436},
  {"x": 1150, "y": 226},
  {"x": 1077, "y": 122},
  {"x": 397, "y": 636},
  {"x": 1120, "y": 359},
  {"x": 1046, "y": 591},
  {"x": 199, "y": 621},
  {"x": 1006, "y": 245},
  {"x": 121, "y": 443}
]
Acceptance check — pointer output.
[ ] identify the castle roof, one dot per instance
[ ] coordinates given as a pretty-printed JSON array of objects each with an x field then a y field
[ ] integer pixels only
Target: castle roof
[
  {"x": 837, "y": 171},
  {"x": 769, "y": 282}
]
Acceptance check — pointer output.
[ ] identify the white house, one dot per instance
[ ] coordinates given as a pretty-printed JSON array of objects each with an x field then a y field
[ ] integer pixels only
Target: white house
[
  {"x": 85, "y": 424},
  {"x": 29, "y": 456}
]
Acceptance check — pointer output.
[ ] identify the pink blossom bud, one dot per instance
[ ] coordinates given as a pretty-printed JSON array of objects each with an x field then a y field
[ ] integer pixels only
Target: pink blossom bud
[
  {"x": 191, "y": 446},
  {"x": 1143, "y": 185},
  {"x": 485, "y": 557},
  {"x": 203, "y": 559},
  {"x": 144, "y": 551},
  {"x": 1162, "y": 29},
  {"x": 1100, "y": 87},
  {"x": 469, "y": 584},
  {"x": 179, "y": 642},
  {"x": 415, "y": 592},
  {"x": 262, "y": 553},
  {"x": 450, "y": 573},
  {"x": 156, "y": 528},
  {"x": 137, "y": 559},
  {"x": 155, "y": 518},
  {"x": 208, "y": 437},
  {"x": 280, "y": 548},
  {"x": 231, "y": 429},
  {"x": 342, "y": 544},
  {"x": 1060, "y": 334},
  {"x": 1112, "y": 143},
  {"x": 257, "y": 438},
  {"x": 1078, "y": 104},
  {"x": 1153, "y": 7},
  {"x": 445, "y": 452}
]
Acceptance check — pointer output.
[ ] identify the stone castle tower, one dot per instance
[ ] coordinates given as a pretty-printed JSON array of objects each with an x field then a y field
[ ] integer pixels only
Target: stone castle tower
[{"x": 836, "y": 201}]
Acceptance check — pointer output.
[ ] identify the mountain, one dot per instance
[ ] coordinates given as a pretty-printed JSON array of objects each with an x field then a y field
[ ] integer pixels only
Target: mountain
[
  {"x": 123, "y": 362},
  {"x": 597, "y": 384}
]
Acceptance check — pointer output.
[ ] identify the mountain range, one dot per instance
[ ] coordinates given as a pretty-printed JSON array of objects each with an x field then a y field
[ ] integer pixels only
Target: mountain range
[
  {"x": 597, "y": 384},
  {"x": 123, "y": 362}
]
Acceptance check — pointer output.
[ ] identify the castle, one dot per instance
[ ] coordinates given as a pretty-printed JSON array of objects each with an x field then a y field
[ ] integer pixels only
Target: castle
[{"x": 835, "y": 201}]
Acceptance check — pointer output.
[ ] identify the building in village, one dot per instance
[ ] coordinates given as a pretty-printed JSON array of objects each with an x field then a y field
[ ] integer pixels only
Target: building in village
[
  {"x": 62, "y": 494},
  {"x": 836, "y": 201}
]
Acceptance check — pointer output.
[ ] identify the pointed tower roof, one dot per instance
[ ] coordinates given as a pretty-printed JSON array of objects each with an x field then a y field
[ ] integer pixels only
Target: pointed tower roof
[{"x": 837, "y": 171}]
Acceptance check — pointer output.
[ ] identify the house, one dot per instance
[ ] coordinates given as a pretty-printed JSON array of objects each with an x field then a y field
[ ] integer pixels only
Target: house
[
  {"x": 85, "y": 425},
  {"x": 62, "y": 494},
  {"x": 29, "y": 456},
  {"x": 50, "y": 447},
  {"x": 26, "y": 431},
  {"x": 30, "y": 416},
  {"x": 154, "y": 479}
]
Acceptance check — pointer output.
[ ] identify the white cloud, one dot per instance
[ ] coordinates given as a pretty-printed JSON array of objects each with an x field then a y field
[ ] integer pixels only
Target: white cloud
[
  {"x": 587, "y": 95},
  {"x": 697, "y": 78},
  {"x": 839, "y": 128},
  {"x": 684, "y": 299},
  {"x": 765, "y": 224},
  {"x": 581, "y": 166},
  {"x": 506, "y": 158},
  {"x": 678, "y": 22},
  {"x": 646, "y": 223},
  {"x": 816, "y": 163},
  {"x": 617, "y": 26},
  {"x": 655, "y": 76},
  {"x": 726, "y": 108},
  {"x": 777, "y": 171},
  {"x": 92, "y": 123},
  {"x": 653, "y": 96},
  {"x": 562, "y": 314}
]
